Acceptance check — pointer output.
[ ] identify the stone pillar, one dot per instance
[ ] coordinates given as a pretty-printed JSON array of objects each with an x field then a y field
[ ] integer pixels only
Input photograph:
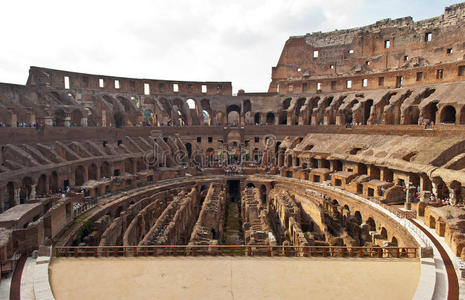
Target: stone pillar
[
  {"x": 434, "y": 188},
  {"x": 33, "y": 192},
  {"x": 13, "y": 119},
  {"x": 338, "y": 120},
  {"x": 104, "y": 118},
  {"x": 32, "y": 118},
  {"x": 17, "y": 192}
]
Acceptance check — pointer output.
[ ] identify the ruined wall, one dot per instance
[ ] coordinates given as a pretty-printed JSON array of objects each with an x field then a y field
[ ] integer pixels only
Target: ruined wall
[{"x": 387, "y": 49}]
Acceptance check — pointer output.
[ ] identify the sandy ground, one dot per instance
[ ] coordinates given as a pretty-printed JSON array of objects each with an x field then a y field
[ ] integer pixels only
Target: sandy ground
[{"x": 233, "y": 278}]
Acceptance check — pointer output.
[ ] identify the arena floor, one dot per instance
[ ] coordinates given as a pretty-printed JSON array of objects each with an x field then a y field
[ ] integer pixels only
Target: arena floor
[{"x": 233, "y": 278}]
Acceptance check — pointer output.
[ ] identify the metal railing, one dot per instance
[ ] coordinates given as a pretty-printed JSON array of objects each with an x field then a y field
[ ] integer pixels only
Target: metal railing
[{"x": 236, "y": 250}]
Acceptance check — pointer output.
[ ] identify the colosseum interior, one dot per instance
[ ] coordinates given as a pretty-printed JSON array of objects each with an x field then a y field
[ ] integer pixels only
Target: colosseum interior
[{"x": 357, "y": 149}]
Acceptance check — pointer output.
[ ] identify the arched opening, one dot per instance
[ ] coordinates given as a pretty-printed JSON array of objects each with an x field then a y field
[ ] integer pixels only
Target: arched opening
[
  {"x": 298, "y": 107},
  {"x": 358, "y": 217},
  {"x": 366, "y": 111},
  {"x": 270, "y": 118},
  {"x": 26, "y": 188},
  {"x": 429, "y": 112},
  {"x": 250, "y": 185},
  {"x": 448, "y": 115},
  {"x": 283, "y": 118},
  {"x": 394, "y": 242},
  {"x": 118, "y": 212},
  {"x": 233, "y": 118},
  {"x": 191, "y": 103},
  {"x": 129, "y": 166},
  {"x": 325, "y": 163},
  {"x": 140, "y": 164},
  {"x": 92, "y": 172},
  {"x": 362, "y": 169},
  {"x": 54, "y": 182},
  {"x": 289, "y": 160},
  {"x": 105, "y": 170},
  {"x": 371, "y": 224},
  {"x": 188, "y": 149},
  {"x": 337, "y": 165},
  {"x": 442, "y": 191},
  {"x": 41, "y": 188},
  {"x": 233, "y": 114},
  {"x": 10, "y": 187},
  {"x": 206, "y": 118},
  {"x": 60, "y": 118},
  {"x": 411, "y": 115},
  {"x": 256, "y": 119},
  {"x": 263, "y": 194},
  {"x": 383, "y": 233},
  {"x": 76, "y": 117},
  {"x": 79, "y": 175}
]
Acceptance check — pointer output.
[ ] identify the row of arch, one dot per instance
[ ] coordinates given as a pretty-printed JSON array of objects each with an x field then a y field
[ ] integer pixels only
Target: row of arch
[{"x": 30, "y": 187}]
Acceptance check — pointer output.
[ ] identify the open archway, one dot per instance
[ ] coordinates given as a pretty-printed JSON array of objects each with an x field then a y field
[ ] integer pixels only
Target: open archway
[
  {"x": 448, "y": 115},
  {"x": 79, "y": 176}
]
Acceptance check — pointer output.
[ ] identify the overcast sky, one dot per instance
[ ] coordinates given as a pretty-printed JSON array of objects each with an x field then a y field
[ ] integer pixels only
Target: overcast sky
[{"x": 210, "y": 40}]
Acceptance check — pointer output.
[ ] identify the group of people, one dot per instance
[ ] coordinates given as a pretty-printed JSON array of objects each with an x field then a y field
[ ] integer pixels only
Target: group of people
[{"x": 232, "y": 170}]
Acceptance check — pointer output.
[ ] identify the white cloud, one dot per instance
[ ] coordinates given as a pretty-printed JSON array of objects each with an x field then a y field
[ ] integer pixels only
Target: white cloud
[{"x": 236, "y": 41}]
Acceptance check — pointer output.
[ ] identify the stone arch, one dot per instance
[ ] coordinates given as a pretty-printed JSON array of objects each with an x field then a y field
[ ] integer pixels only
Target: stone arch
[
  {"x": 10, "y": 189},
  {"x": 289, "y": 160},
  {"x": 358, "y": 217},
  {"x": 129, "y": 166},
  {"x": 233, "y": 114},
  {"x": 188, "y": 149},
  {"x": 41, "y": 188},
  {"x": 105, "y": 170},
  {"x": 140, "y": 164},
  {"x": 383, "y": 233},
  {"x": 54, "y": 182},
  {"x": 76, "y": 117},
  {"x": 448, "y": 115},
  {"x": 430, "y": 110},
  {"x": 394, "y": 241},
  {"x": 298, "y": 107},
  {"x": 337, "y": 165},
  {"x": 442, "y": 190},
  {"x": 367, "y": 105},
  {"x": 263, "y": 194},
  {"x": 411, "y": 115},
  {"x": 256, "y": 119},
  {"x": 206, "y": 118},
  {"x": 79, "y": 175},
  {"x": 191, "y": 103},
  {"x": 92, "y": 172},
  {"x": 371, "y": 224},
  {"x": 26, "y": 189},
  {"x": 270, "y": 118},
  {"x": 283, "y": 118},
  {"x": 60, "y": 117}
]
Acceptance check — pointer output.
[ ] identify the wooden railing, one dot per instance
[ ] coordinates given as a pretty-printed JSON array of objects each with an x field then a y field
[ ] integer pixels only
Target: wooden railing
[{"x": 236, "y": 250}]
